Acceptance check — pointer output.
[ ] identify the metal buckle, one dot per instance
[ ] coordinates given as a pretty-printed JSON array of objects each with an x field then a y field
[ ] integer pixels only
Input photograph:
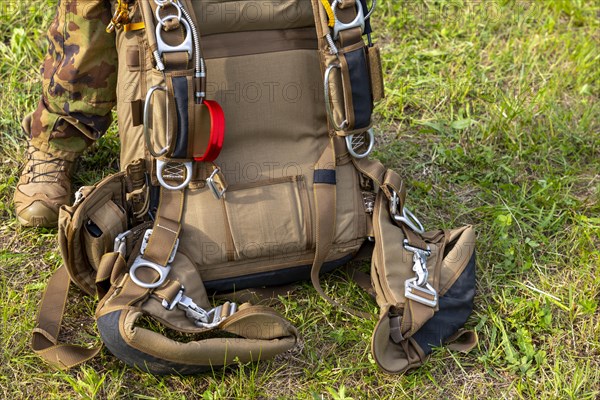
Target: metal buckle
[
  {"x": 339, "y": 26},
  {"x": 414, "y": 292},
  {"x": 414, "y": 288},
  {"x": 214, "y": 185},
  {"x": 121, "y": 242},
  {"x": 161, "y": 5},
  {"x": 407, "y": 217},
  {"x": 173, "y": 168},
  {"x": 328, "y": 106},
  {"x": 146, "y": 122},
  {"x": 139, "y": 262},
  {"x": 186, "y": 45},
  {"x": 356, "y": 141},
  {"x": 199, "y": 316}
]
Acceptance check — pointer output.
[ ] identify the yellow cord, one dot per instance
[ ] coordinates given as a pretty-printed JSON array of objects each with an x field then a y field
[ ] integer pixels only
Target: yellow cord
[{"x": 329, "y": 12}]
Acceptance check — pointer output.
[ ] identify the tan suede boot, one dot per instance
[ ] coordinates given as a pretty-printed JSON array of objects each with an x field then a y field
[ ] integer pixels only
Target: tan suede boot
[{"x": 45, "y": 185}]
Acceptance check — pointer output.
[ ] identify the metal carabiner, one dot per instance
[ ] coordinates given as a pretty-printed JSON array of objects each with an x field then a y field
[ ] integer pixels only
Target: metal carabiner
[
  {"x": 356, "y": 141},
  {"x": 160, "y": 168},
  {"x": 146, "y": 121},
  {"x": 370, "y": 12},
  {"x": 339, "y": 26},
  {"x": 328, "y": 107}
]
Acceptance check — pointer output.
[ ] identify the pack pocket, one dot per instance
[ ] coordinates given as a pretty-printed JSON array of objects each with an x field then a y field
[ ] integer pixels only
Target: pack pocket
[
  {"x": 270, "y": 219},
  {"x": 101, "y": 229}
]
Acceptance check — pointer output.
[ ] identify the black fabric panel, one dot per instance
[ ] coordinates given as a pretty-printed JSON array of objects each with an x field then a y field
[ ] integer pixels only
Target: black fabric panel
[
  {"x": 180, "y": 88},
  {"x": 108, "y": 326},
  {"x": 274, "y": 278},
  {"x": 455, "y": 307},
  {"x": 325, "y": 176},
  {"x": 362, "y": 98}
]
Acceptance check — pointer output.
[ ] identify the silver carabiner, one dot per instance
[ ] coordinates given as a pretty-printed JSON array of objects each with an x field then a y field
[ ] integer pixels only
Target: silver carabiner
[
  {"x": 328, "y": 107},
  {"x": 339, "y": 26},
  {"x": 373, "y": 6},
  {"x": 356, "y": 141},
  {"x": 160, "y": 169},
  {"x": 146, "y": 122}
]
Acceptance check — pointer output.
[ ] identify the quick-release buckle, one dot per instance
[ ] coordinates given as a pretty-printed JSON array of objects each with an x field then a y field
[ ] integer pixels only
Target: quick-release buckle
[
  {"x": 120, "y": 243},
  {"x": 199, "y": 316},
  {"x": 140, "y": 261},
  {"x": 417, "y": 288}
]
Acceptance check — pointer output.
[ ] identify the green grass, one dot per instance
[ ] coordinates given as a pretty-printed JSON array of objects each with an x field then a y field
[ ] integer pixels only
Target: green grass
[{"x": 491, "y": 116}]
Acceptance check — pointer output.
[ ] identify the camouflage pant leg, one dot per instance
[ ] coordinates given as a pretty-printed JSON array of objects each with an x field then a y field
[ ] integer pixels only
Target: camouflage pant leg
[{"x": 79, "y": 78}]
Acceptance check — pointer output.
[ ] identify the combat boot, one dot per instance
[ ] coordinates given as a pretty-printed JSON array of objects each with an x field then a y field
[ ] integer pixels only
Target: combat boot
[{"x": 44, "y": 186}]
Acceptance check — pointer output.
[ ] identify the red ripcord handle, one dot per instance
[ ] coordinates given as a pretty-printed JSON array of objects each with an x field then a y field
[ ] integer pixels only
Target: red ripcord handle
[{"x": 217, "y": 132}]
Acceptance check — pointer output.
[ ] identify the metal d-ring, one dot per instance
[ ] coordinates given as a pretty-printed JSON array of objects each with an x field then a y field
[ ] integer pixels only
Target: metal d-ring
[
  {"x": 161, "y": 5},
  {"x": 139, "y": 263},
  {"x": 339, "y": 26},
  {"x": 160, "y": 166},
  {"x": 328, "y": 106},
  {"x": 350, "y": 144},
  {"x": 186, "y": 45}
]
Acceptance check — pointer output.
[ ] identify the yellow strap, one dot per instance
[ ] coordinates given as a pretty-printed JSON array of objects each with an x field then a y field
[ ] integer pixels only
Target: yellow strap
[
  {"x": 134, "y": 26},
  {"x": 329, "y": 12}
]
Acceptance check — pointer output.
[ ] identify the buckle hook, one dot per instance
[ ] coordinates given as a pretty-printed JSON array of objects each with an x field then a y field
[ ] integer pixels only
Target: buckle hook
[{"x": 417, "y": 288}]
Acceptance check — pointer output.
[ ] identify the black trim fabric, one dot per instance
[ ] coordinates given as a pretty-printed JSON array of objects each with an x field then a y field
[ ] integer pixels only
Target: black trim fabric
[
  {"x": 455, "y": 307},
  {"x": 360, "y": 80},
  {"x": 272, "y": 278},
  {"x": 326, "y": 176},
  {"x": 180, "y": 87}
]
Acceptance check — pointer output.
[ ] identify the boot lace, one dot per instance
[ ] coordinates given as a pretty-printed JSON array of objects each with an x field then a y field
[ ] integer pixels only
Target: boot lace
[{"x": 43, "y": 168}]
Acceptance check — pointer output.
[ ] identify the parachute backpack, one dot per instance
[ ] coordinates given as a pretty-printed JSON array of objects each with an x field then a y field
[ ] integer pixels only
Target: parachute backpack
[{"x": 245, "y": 145}]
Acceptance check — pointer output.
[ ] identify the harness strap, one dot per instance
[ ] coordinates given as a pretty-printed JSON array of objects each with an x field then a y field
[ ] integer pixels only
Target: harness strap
[
  {"x": 49, "y": 321},
  {"x": 166, "y": 228},
  {"x": 324, "y": 190}
]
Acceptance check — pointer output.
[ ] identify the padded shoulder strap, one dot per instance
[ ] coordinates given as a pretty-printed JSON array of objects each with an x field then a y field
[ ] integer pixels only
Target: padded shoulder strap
[{"x": 260, "y": 333}]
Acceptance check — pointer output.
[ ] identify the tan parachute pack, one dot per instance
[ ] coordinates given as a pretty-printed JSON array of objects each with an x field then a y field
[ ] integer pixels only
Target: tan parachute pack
[{"x": 245, "y": 132}]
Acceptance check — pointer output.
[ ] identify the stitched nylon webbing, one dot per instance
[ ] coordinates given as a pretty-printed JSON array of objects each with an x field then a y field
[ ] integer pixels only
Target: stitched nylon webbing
[{"x": 45, "y": 336}]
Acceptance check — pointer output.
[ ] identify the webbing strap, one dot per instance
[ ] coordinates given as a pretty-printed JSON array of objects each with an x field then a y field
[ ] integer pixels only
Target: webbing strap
[
  {"x": 45, "y": 335},
  {"x": 325, "y": 207},
  {"x": 167, "y": 226}
]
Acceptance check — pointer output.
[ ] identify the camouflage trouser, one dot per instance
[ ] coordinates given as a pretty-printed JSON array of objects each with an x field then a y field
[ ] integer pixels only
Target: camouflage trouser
[{"x": 79, "y": 78}]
